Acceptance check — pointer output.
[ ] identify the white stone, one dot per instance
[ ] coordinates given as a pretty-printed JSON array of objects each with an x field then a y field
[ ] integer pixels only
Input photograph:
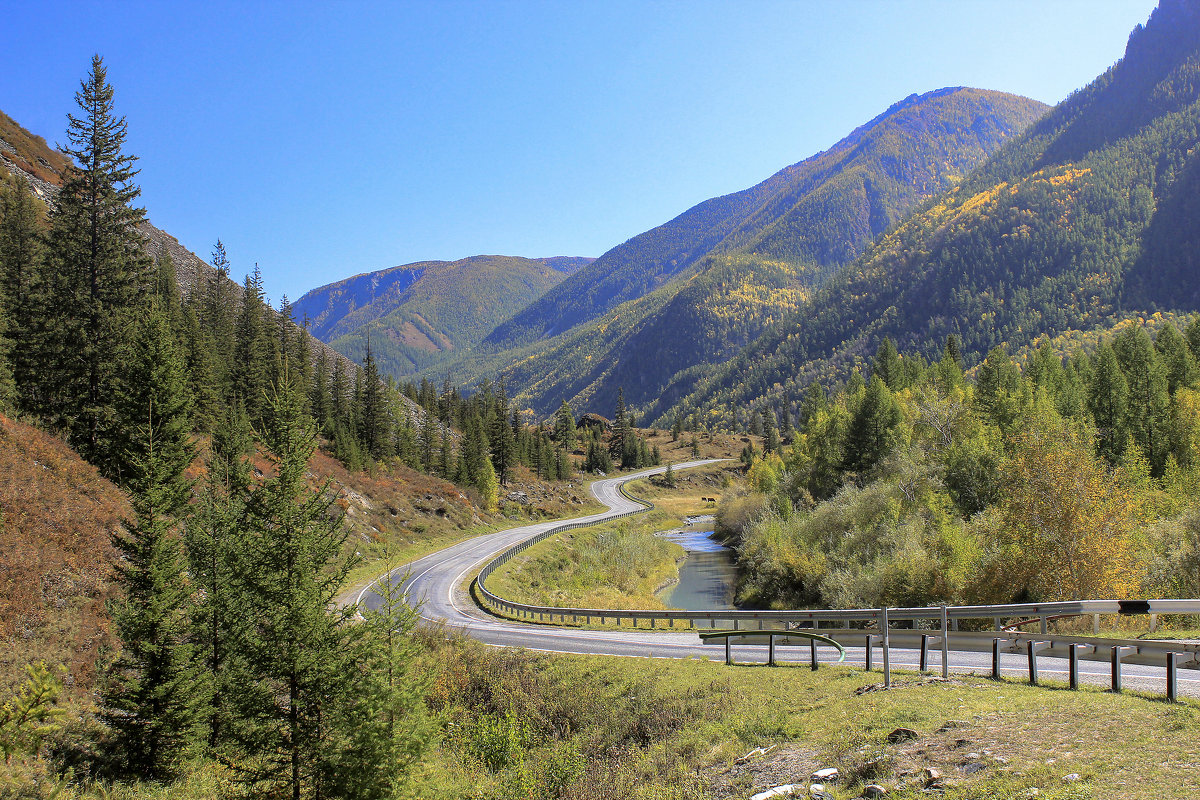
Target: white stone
[{"x": 826, "y": 774}]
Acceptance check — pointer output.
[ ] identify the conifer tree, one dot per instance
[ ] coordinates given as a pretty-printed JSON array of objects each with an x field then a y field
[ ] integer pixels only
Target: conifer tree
[
  {"x": 296, "y": 646},
  {"x": 389, "y": 726},
  {"x": 375, "y": 431},
  {"x": 216, "y": 313},
  {"x": 887, "y": 365},
  {"x": 212, "y": 546},
  {"x": 253, "y": 344},
  {"x": 564, "y": 426},
  {"x": 151, "y": 698},
  {"x": 1108, "y": 400},
  {"x": 21, "y": 263},
  {"x": 872, "y": 431},
  {"x": 95, "y": 272},
  {"x": 1148, "y": 406},
  {"x": 1180, "y": 364}
]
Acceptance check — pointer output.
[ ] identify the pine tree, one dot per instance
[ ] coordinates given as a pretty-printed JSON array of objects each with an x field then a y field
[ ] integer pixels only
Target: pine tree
[
  {"x": 390, "y": 728},
  {"x": 151, "y": 698},
  {"x": 297, "y": 645},
  {"x": 1177, "y": 359},
  {"x": 375, "y": 432},
  {"x": 564, "y": 426},
  {"x": 872, "y": 431},
  {"x": 212, "y": 546},
  {"x": 887, "y": 365},
  {"x": 1148, "y": 407},
  {"x": 95, "y": 273},
  {"x": 253, "y": 344},
  {"x": 1108, "y": 400},
  {"x": 21, "y": 263},
  {"x": 770, "y": 434},
  {"x": 216, "y": 312}
]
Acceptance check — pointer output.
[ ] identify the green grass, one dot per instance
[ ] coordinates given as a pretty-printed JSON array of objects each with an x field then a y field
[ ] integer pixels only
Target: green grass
[{"x": 613, "y": 565}]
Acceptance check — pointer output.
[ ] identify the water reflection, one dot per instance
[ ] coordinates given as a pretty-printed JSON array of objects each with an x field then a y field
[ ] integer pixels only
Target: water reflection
[{"x": 707, "y": 575}]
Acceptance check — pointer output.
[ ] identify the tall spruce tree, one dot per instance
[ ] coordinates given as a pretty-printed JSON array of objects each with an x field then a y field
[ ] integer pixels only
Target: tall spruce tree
[
  {"x": 297, "y": 644},
  {"x": 212, "y": 546},
  {"x": 872, "y": 431},
  {"x": 21, "y": 259},
  {"x": 95, "y": 272},
  {"x": 1108, "y": 400},
  {"x": 151, "y": 698},
  {"x": 253, "y": 345}
]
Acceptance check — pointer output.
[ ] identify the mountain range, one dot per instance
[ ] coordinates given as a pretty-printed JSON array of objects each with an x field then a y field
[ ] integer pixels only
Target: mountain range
[
  {"x": 424, "y": 311},
  {"x": 1087, "y": 218}
]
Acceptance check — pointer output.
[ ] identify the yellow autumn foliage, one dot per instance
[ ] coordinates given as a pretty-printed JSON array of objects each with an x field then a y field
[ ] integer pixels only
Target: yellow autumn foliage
[{"x": 1067, "y": 520}]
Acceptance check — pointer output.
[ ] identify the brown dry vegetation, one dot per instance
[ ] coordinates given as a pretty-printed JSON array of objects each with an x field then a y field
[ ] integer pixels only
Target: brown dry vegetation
[{"x": 55, "y": 553}]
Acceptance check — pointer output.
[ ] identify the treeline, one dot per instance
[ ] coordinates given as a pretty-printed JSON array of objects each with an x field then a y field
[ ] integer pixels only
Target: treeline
[{"x": 1073, "y": 478}]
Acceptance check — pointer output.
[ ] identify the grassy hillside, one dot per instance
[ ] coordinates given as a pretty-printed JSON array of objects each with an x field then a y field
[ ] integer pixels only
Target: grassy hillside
[
  {"x": 1086, "y": 218},
  {"x": 419, "y": 313}
]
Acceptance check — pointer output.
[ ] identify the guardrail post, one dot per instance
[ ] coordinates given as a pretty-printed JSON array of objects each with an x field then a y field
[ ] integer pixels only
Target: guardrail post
[
  {"x": 1153, "y": 623},
  {"x": 997, "y": 620},
  {"x": 1172, "y": 678},
  {"x": 1116, "y": 669},
  {"x": 996, "y": 659},
  {"x": 771, "y": 649},
  {"x": 887, "y": 657},
  {"x": 945, "y": 644},
  {"x": 924, "y": 652},
  {"x": 1045, "y": 629},
  {"x": 1095, "y": 624},
  {"x": 812, "y": 647},
  {"x": 1073, "y": 666},
  {"x": 1032, "y": 647}
]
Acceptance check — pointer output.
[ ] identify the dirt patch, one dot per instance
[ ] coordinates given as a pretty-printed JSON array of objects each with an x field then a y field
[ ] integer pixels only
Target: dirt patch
[{"x": 789, "y": 763}]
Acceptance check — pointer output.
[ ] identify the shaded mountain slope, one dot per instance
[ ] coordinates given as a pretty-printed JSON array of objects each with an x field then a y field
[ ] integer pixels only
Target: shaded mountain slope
[
  {"x": 774, "y": 243},
  {"x": 420, "y": 312},
  {"x": 1090, "y": 215},
  {"x": 816, "y": 214}
]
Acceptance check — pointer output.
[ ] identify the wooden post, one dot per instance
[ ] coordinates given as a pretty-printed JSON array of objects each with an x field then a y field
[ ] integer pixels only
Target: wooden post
[
  {"x": 1032, "y": 647},
  {"x": 728, "y": 652},
  {"x": 870, "y": 651},
  {"x": 812, "y": 647},
  {"x": 924, "y": 652},
  {"x": 996, "y": 659},
  {"x": 771, "y": 649},
  {"x": 1073, "y": 666}
]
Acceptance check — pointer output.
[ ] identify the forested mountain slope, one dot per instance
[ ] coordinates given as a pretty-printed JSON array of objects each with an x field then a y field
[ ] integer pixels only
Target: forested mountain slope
[
  {"x": 759, "y": 258},
  {"x": 813, "y": 215},
  {"x": 420, "y": 312},
  {"x": 1087, "y": 217}
]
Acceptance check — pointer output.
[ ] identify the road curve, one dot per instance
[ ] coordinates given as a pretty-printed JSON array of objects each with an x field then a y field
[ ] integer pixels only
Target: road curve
[{"x": 437, "y": 582}]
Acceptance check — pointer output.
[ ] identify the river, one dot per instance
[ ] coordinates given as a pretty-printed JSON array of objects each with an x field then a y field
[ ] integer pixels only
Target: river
[{"x": 707, "y": 576}]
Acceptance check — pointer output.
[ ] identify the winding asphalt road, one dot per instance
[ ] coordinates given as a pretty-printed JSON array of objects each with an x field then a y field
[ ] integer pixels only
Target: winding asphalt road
[{"x": 437, "y": 583}]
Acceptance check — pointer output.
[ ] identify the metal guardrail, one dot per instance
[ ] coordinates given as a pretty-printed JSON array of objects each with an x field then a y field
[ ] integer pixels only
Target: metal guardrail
[{"x": 881, "y": 634}]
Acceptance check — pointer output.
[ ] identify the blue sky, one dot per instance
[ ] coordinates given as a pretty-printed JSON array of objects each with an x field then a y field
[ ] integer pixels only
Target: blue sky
[{"x": 322, "y": 140}]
